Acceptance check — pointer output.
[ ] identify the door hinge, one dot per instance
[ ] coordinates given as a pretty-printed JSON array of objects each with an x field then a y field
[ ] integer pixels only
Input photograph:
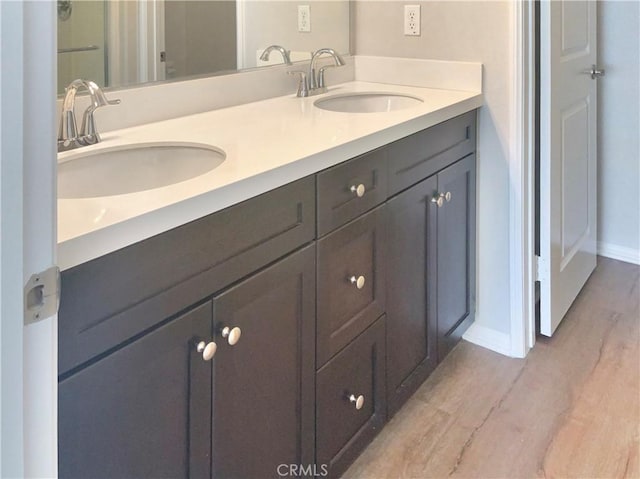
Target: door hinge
[
  {"x": 540, "y": 266},
  {"x": 42, "y": 295}
]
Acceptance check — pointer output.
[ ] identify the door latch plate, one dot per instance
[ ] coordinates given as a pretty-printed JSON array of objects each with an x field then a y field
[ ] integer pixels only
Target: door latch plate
[{"x": 42, "y": 295}]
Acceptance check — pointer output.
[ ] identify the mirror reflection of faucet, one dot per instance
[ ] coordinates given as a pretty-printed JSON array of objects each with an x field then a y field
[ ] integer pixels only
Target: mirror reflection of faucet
[
  {"x": 313, "y": 83},
  {"x": 68, "y": 137},
  {"x": 286, "y": 58}
]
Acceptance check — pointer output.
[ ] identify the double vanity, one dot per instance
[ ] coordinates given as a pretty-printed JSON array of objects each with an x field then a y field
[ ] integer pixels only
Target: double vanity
[{"x": 289, "y": 274}]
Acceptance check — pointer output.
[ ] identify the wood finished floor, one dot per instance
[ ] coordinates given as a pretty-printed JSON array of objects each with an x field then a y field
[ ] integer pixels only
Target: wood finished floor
[{"x": 570, "y": 409}]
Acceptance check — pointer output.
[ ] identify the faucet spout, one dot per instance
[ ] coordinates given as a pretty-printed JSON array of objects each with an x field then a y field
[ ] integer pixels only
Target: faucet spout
[
  {"x": 285, "y": 54},
  {"x": 317, "y": 80}
]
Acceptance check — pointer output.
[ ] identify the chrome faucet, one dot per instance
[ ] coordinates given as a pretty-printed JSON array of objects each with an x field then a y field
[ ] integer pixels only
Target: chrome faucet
[
  {"x": 317, "y": 83},
  {"x": 285, "y": 53},
  {"x": 68, "y": 137},
  {"x": 313, "y": 83}
]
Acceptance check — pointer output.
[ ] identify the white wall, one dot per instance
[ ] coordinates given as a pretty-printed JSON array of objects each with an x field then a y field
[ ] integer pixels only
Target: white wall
[
  {"x": 276, "y": 22},
  {"x": 619, "y": 130},
  {"x": 466, "y": 31}
]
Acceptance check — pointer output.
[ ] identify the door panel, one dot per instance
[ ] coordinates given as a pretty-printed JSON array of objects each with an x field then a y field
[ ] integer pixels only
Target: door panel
[
  {"x": 411, "y": 303},
  {"x": 575, "y": 35},
  {"x": 456, "y": 251},
  {"x": 575, "y": 175},
  {"x": 567, "y": 155},
  {"x": 264, "y": 384},
  {"x": 143, "y": 411}
]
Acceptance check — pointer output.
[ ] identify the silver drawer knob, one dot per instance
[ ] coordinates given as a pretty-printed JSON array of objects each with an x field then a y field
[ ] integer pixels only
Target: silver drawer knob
[
  {"x": 358, "y": 190},
  {"x": 447, "y": 196},
  {"x": 358, "y": 401},
  {"x": 208, "y": 350},
  {"x": 232, "y": 335},
  {"x": 358, "y": 281},
  {"x": 438, "y": 200}
]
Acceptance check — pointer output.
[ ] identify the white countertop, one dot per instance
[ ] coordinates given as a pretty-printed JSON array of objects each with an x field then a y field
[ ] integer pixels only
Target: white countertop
[{"x": 267, "y": 143}]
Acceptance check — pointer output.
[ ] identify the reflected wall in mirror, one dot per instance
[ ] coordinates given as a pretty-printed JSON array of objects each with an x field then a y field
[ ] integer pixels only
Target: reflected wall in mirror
[{"x": 123, "y": 43}]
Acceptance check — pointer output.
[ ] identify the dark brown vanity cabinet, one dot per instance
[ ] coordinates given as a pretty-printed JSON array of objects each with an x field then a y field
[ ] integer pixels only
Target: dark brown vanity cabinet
[
  {"x": 283, "y": 330},
  {"x": 431, "y": 292},
  {"x": 431, "y": 250},
  {"x": 163, "y": 407},
  {"x": 147, "y": 390}
]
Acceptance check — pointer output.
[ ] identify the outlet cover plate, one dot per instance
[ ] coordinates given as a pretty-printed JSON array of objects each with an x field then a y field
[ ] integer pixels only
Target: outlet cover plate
[
  {"x": 412, "y": 20},
  {"x": 304, "y": 18}
]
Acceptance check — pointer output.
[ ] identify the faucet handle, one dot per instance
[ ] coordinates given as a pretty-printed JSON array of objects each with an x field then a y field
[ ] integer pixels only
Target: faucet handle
[
  {"x": 303, "y": 85},
  {"x": 321, "y": 83}
]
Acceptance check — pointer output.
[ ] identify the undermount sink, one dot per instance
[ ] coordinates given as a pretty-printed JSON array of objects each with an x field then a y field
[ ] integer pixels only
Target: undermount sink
[
  {"x": 367, "y": 102},
  {"x": 133, "y": 168}
]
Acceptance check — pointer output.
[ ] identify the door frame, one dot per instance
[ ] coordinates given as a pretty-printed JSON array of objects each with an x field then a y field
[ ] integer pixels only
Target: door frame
[
  {"x": 522, "y": 178},
  {"x": 28, "y": 353}
]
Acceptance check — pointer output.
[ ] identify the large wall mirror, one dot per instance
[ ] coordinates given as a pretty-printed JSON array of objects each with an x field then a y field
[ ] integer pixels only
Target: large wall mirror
[{"x": 120, "y": 43}]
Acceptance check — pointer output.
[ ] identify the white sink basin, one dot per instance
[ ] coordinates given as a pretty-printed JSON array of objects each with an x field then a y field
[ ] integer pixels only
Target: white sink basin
[
  {"x": 133, "y": 168},
  {"x": 368, "y": 102}
]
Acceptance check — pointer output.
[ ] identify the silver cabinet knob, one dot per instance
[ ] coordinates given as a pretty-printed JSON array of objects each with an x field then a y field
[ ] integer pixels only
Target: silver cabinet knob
[
  {"x": 208, "y": 350},
  {"x": 358, "y": 401},
  {"x": 232, "y": 335},
  {"x": 447, "y": 196},
  {"x": 438, "y": 200},
  {"x": 358, "y": 190},
  {"x": 357, "y": 281},
  {"x": 594, "y": 72}
]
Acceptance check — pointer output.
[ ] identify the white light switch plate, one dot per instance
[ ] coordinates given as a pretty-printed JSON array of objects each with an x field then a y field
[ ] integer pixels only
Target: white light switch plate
[{"x": 412, "y": 20}]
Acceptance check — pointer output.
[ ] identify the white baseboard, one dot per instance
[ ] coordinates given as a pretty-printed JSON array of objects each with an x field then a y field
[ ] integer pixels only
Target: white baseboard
[
  {"x": 621, "y": 253},
  {"x": 488, "y": 338}
]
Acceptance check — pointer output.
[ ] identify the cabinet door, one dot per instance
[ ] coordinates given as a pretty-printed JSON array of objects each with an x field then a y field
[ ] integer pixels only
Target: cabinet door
[
  {"x": 264, "y": 384},
  {"x": 411, "y": 309},
  {"x": 143, "y": 411},
  {"x": 456, "y": 253}
]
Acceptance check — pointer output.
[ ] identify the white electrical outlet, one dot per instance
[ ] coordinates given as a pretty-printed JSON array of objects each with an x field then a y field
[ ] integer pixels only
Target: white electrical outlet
[
  {"x": 412, "y": 20},
  {"x": 304, "y": 18}
]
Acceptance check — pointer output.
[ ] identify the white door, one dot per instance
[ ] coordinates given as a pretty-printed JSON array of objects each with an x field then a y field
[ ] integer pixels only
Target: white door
[
  {"x": 28, "y": 436},
  {"x": 567, "y": 155}
]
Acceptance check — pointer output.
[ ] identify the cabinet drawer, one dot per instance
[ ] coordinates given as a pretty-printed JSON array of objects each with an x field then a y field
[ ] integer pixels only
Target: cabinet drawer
[
  {"x": 115, "y": 297},
  {"x": 424, "y": 153},
  {"x": 349, "y": 189},
  {"x": 351, "y": 282},
  {"x": 343, "y": 430}
]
